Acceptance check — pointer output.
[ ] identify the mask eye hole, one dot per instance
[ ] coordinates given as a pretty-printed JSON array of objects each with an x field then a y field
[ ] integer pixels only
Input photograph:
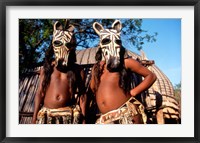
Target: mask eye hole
[
  {"x": 69, "y": 45},
  {"x": 105, "y": 41},
  {"x": 118, "y": 42},
  {"x": 57, "y": 43}
]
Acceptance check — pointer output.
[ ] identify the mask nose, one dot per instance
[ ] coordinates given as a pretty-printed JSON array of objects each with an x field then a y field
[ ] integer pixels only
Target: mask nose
[
  {"x": 62, "y": 56},
  {"x": 60, "y": 61},
  {"x": 113, "y": 64}
]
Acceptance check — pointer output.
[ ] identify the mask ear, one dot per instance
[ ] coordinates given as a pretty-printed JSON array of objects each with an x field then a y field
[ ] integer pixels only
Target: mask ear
[
  {"x": 117, "y": 25},
  {"x": 97, "y": 27},
  {"x": 57, "y": 26},
  {"x": 70, "y": 28},
  {"x": 66, "y": 24}
]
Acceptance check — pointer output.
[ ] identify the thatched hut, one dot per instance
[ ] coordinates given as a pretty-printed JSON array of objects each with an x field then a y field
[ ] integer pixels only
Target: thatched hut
[{"x": 159, "y": 101}]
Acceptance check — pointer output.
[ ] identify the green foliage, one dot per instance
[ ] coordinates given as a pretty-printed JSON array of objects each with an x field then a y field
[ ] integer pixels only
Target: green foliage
[
  {"x": 35, "y": 36},
  {"x": 33, "y": 33},
  {"x": 177, "y": 92}
]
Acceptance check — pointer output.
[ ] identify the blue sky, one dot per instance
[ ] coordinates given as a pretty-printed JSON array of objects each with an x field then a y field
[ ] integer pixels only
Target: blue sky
[{"x": 166, "y": 51}]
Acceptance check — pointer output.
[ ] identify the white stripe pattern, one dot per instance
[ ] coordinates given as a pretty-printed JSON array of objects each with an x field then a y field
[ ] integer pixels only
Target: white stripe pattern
[
  {"x": 111, "y": 48},
  {"x": 60, "y": 39}
]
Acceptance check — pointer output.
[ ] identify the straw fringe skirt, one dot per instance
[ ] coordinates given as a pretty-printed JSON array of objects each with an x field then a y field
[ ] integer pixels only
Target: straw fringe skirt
[
  {"x": 65, "y": 115},
  {"x": 124, "y": 114}
]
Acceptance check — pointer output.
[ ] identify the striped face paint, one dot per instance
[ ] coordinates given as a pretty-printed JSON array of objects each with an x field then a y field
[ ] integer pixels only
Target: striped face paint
[
  {"x": 110, "y": 44},
  {"x": 62, "y": 43}
]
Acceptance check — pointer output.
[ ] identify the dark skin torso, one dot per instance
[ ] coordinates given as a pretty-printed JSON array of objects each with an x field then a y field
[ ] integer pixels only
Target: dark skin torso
[
  {"x": 109, "y": 95},
  {"x": 58, "y": 94}
]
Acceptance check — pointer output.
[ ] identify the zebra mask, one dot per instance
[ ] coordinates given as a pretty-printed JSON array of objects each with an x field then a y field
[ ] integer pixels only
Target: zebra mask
[
  {"x": 110, "y": 44},
  {"x": 63, "y": 42}
]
